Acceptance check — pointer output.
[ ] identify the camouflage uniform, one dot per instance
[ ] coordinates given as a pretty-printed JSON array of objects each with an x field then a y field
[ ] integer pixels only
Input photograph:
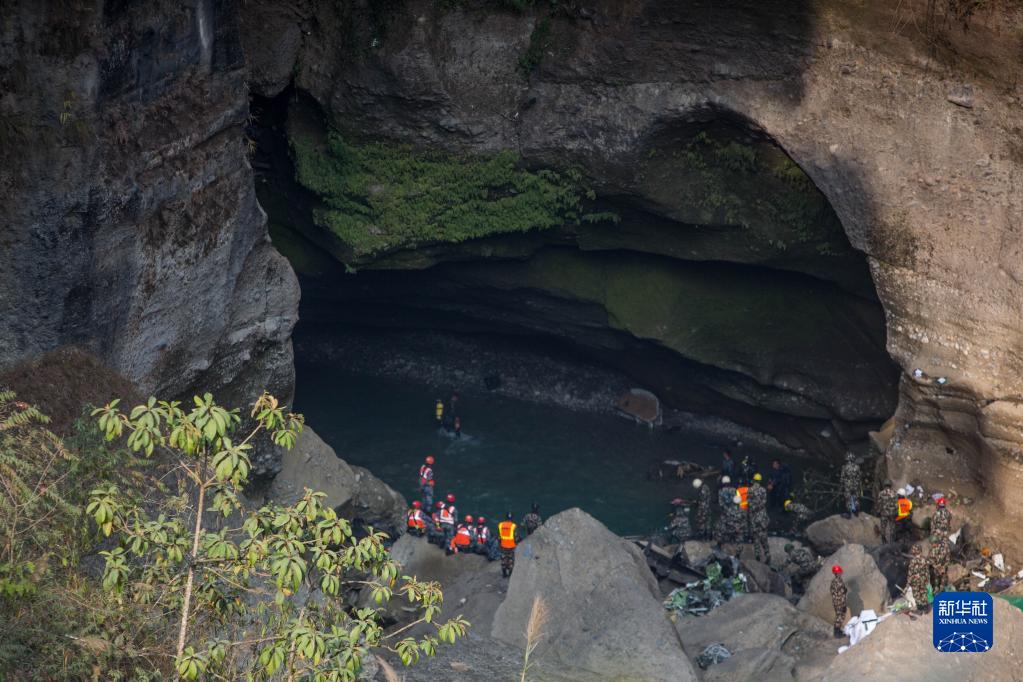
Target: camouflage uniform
[
  {"x": 918, "y": 577},
  {"x": 726, "y": 523},
  {"x": 800, "y": 515},
  {"x": 838, "y": 600},
  {"x": 759, "y": 521},
  {"x": 703, "y": 513},
  {"x": 851, "y": 481},
  {"x": 681, "y": 530},
  {"x": 531, "y": 521},
  {"x": 941, "y": 556},
  {"x": 941, "y": 522},
  {"x": 803, "y": 566},
  {"x": 887, "y": 508}
]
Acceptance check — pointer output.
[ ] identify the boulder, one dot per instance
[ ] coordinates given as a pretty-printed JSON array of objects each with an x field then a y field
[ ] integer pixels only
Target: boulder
[
  {"x": 353, "y": 491},
  {"x": 763, "y": 665},
  {"x": 697, "y": 551},
  {"x": 604, "y": 610},
  {"x": 868, "y": 587},
  {"x": 762, "y": 578},
  {"x": 827, "y": 535},
  {"x": 902, "y": 648}
]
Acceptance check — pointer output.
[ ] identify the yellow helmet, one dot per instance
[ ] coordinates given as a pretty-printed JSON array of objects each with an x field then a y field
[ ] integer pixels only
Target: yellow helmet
[
  {"x": 757, "y": 477},
  {"x": 787, "y": 503}
]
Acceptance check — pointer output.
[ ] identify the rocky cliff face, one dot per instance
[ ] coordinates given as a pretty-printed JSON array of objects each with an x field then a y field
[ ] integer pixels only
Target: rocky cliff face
[
  {"x": 906, "y": 116},
  {"x": 131, "y": 224}
]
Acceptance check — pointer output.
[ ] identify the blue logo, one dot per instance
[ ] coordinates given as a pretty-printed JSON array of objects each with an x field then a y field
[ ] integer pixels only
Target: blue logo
[{"x": 964, "y": 622}]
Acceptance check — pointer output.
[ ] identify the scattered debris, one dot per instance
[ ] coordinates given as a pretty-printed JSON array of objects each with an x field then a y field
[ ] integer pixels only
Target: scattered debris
[
  {"x": 712, "y": 655},
  {"x": 701, "y": 596}
]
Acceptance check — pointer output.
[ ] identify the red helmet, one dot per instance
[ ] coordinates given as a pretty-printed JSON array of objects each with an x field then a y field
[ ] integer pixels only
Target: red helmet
[
  {"x": 439, "y": 505},
  {"x": 450, "y": 497},
  {"x": 430, "y": 483},
  {"x": 941, "y": 501},
  {"x": 429, "y": 459},
  {"x": 468, "y": 518},
  {"x": 836, "y": 569},
  {"x": 416, "y": 504},
  {"x": 481, "y": 520}
]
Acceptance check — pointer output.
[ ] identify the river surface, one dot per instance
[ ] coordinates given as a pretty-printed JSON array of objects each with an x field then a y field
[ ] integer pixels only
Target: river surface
[{"x": 512, "y": 452}]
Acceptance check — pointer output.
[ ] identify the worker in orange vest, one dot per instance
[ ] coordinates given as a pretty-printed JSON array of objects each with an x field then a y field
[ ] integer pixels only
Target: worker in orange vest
[
  {"x": 416, "y": 520},
  {"x": 435, "y": 531},
  {"x": 507, "y": 531},
  {"x": 462, "y": 539},
  {"x": 905, "y": 508},
  {"x": 485, "y": 544},
  {"x": 426, "y": 481}
]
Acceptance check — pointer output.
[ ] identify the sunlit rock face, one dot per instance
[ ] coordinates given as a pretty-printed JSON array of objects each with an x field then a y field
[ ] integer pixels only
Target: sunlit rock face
[
  {"x": 906, "y": 116},
  {"x": 131, "y": 224}
]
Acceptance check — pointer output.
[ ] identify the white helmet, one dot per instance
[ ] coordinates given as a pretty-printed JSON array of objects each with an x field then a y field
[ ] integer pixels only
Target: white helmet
[
  {"x": 737, "y": 499},
  {"x": 725, "y": 479},
  {"x": 902, "y": 492},
  {"x": 697, "y": 483}
]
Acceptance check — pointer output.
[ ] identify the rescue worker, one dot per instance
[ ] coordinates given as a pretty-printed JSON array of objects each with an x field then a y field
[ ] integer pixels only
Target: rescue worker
[
  {"x": 426, "y": 481},
  {"x": 736, "y": 518},
  {"x": 941, "y": 522},
  {"x": 458, "y": 427},
  {"x": 801, "y": 566},
  {"x": 484, "y": 541},
  {"x": 746, "y": 470},
  {"x": 704, "y": 501},
  {"x": 851, "y": 481},
  {"x": 532, "y": 520},
  {"x": 681, "y": 529},
  {"x": 435, "y": 531},
  {"x": 727, "y": 465},
  {"x": 725, "y": 501},
  {"x": 451, "y": 504},
  {"x": 759, "y": 521},
  {"x": 506, "y": 533},
  {"x": 903, "y": 511},
  {"x": 742, "y": 518},
  {"x": 800, "y": 515},
  {"x": 839, "y": 594},
  {"x": 780, "y": 484},
  {"x": 462, "y": 539},
  {"x": 438, "y": 411},
  {"x": 447, "y": 520},
  {"x": 918, "y": 578},
  {"x": 887, "y": 508},
  {"x": 940, "y": 557},
  {"x": 416, "y": 520}
]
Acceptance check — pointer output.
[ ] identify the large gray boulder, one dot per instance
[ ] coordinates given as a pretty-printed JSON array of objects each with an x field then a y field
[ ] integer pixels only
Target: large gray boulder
[
  {"x": 902, "y": 648},
  {"x": 353, "y": 491},
  {"x": 868, "y": 587},
  {"x": 827, "y": 535},
  {"x": 605, "y": 612}
]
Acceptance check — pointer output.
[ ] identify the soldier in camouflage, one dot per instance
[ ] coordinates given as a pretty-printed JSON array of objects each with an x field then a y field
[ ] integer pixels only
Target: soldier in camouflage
[
  {"x": 800, "y": 515},
  {"x": 918, "y": 578},
  {"x": 941, "y": 522},
  {"x": 851, "y": 481},
  {"x": 758, "y": 519},
  {"x": 703, "y": 510},
  {"x": 839, "y": 595},
  {"x": 887, "y": 508},
  {"x": 680, "y": 528},
  {"x": 532, "y": 520},
  {"x": 801, "y": 566},
  {"x": 941, "y": 556},
  {"x": 726, "y": 527}
]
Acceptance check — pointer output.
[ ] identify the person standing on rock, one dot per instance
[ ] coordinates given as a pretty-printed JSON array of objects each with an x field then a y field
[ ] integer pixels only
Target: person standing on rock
[
  {"x": 532, "y": 520},
  {"x": 941, "y": 522},
  {"x": 746, "y": 469},
  {"x": 940, "y": 558},
  {"x": 507, "y": 532},
  {"x": 426, "y": 481},
  {"x": 839, "y": 597},
  {"x": 887, "y": 508},
  {"x": 801, "y": 566},
  {"x": 851, "y": 482},
  {"x": 780, "y": 484},
  {"x": 759, "y": 521},
  {"x": 704, "y": 502},
  {"x": 918, "y": 578},
  {"x": 725, "y": 502},
  {"x": 800, "y": 515},
  {"x": 727, "y": 465}
]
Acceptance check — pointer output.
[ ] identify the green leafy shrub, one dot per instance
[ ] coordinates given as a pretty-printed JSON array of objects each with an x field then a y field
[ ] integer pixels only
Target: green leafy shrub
[{"x": 381, "y": 196}]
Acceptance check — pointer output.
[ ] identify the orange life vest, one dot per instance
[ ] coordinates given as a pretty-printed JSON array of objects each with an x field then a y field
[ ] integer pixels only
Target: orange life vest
[
  {"x": 483, "y": 533},
  {"x": 743, "y": 497},
  {"x": 415, "y": 519},
  {"x": 425, "y": 475},
  {"x": 446, "y": 517},
  {"x": 905, "y": 507},
  {"x": 506, "y": 531},
  {"x": 463, "y": 538}
]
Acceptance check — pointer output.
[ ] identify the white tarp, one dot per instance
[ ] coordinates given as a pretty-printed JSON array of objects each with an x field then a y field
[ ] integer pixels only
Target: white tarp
[{"x": 860, "y": 626}]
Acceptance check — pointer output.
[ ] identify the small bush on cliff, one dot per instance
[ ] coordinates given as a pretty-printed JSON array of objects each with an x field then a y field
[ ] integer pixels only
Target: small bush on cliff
[
  {"x": 260, "y": 594},
  {"x": 383, "y": 197}
]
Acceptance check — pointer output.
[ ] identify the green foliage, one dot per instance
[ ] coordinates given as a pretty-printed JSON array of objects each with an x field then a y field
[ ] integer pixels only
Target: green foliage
[
  {"x": 382, "y": 197},
  {"x": 539, "y": 42},
  {"x": 261, "y": 594}
]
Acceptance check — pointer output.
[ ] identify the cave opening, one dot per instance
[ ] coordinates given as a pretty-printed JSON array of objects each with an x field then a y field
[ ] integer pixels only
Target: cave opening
[{"x": 715, "y": 276}]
